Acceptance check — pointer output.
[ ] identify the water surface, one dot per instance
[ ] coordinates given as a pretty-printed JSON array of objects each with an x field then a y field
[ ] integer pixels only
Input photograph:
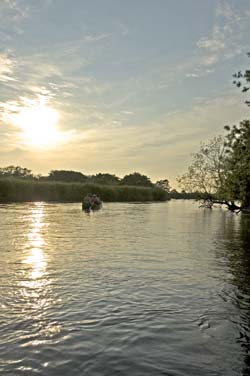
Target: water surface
[{"x": 134, "y": 289}]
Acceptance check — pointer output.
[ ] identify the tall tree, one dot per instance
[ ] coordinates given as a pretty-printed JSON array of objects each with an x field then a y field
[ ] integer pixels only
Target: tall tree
[
  {"x": 205, "y": 173},
  {"x": 237, "y": 148}
]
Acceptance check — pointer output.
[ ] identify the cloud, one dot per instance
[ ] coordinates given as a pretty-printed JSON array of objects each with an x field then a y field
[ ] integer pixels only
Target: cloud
[
  {"x": 215, "y": 43},
  {"x": 209, "y": 60},
  {"x": 32, "y": 75},
  {"x": 200, "y": 73},
  {"x": 14, "y": 9},
  {"x": 12, "y": 14},
  {"x": 225, "y": 40},
  {"x": 6, "y": 67},
  {"x": 126, "y": 112},
  {"x": 95, "y": 38},
  {"x": 225, "y": 10}
]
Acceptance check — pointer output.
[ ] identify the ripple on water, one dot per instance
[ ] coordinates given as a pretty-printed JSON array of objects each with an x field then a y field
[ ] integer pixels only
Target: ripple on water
[{"x": 136, "y": 289}]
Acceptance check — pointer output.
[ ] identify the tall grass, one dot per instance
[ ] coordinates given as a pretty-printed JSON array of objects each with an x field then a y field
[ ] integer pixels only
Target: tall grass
[{"x": 18, "y": 190}]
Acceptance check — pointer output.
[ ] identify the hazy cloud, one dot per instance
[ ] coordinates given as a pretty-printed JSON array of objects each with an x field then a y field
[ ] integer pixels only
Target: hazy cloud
[
  {"x": 95, "y": 38},
  {"x": 229, "y": 27},
  {"x": 6, "y": 67}
]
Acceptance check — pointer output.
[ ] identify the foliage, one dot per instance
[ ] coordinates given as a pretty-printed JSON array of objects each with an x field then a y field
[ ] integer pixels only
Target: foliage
[
  {"x": 16, "y": 172},
  {"x": 237, "y": 148},
  {"x": 206, "y": 172},
  {"x": 163, "y": 184},
  {"x": 67, "y": 176},
  {"x": 104, "y": 178},
  {"x": 242, "y": 80},
  {"x": 183, "y": 195},
  {"x": 136, "y": 179},
  {"x": 220, "y": 171}
]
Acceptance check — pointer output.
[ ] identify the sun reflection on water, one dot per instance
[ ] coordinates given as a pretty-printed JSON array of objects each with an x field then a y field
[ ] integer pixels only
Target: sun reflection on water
[
  {"x": 36, "y": 291},
  {"x": 35, "y": 282},
  {"x": 36, "y": 258}
]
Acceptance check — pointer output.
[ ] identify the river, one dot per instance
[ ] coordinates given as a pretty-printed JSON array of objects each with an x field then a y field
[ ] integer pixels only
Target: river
[{"x": 134, "y": 289}]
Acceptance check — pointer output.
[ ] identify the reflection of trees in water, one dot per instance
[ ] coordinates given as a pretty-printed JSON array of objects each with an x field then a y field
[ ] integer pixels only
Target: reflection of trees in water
[{"x": 237, "y": 252}]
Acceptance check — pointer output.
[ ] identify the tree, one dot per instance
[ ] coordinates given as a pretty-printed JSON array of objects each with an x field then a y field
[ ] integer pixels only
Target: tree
[
  {"x": 216, "y": 173},
  {"x": 16, "y": 172},
  {"x": 163, "y": 184},
  {"x": 106, "y": 179},
  {"x": 136, "y": 179},
  {"x": 205, "y": 173},
  {"x": 237, "y": 148},
  {"x": 67, "y": 176}
]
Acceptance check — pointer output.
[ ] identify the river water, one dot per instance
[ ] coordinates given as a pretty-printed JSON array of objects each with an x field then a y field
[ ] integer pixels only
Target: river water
[{"x": 134, "y": 289}]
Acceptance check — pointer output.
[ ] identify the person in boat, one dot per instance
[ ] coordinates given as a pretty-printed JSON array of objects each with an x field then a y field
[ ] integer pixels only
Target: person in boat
[
  {"x": 95, "y": 200},
  {"x": 91, "y": 201},
  {"x": 87, "y": 201}
]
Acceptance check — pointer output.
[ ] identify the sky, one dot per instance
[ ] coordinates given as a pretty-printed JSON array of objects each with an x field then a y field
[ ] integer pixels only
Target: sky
[{"x": 118, "y": 86}]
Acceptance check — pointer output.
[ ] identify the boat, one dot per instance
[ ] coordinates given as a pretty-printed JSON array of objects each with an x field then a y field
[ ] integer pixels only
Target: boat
[{"x": 91, "y": 202}]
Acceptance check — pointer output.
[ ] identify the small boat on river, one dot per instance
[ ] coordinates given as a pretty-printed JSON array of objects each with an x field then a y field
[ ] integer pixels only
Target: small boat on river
[{"x": 91, "y": 202}]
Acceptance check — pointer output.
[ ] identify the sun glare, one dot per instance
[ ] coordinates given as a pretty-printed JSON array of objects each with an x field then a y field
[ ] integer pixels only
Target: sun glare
[{"x": 39, "y": 125}]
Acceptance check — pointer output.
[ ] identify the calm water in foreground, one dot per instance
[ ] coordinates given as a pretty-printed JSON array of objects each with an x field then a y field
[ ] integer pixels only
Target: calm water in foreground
[{"x": 135, "y": 289}]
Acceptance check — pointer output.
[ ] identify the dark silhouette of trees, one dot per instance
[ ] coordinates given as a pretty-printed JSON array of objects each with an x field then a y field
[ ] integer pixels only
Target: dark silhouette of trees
[
  {"x": 136, "y": 179},
  {"x": 67, "y": 176},
  {"x": 183, "y": 195},
  {"x": 237, "y": 148},
  {"x": 104, "y": 178},
  {"x": 16, "y": 172},
  {"x": 237, "y": 163},
  {"x": 163, "y": 184}
]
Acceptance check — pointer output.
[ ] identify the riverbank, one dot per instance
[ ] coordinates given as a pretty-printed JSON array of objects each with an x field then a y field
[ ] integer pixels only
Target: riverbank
[{"x": 19, "y": 190}]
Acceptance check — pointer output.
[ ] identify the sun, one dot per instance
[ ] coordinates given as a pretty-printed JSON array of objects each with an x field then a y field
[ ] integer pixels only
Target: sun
[{"x": 38, "y": 124}]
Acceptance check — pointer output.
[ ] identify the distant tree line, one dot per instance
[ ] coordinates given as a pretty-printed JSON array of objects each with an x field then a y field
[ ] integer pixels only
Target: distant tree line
[
  {"x": 16, "y": 172},
  {"x": 134, "y": 179}
]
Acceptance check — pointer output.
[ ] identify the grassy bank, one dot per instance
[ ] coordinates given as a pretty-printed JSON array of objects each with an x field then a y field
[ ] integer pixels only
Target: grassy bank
[{"x": 18, "y": 190}]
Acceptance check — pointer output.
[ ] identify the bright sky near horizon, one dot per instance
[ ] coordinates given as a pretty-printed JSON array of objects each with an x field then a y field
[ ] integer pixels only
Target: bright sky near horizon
[{"x": 118, "y": 86}]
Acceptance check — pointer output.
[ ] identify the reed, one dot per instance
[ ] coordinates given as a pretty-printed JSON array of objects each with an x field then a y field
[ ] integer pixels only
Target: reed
[{"x": 22, "y": 190}]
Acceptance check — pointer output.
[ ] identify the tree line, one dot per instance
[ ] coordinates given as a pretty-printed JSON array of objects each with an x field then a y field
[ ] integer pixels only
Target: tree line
[{"x": 133, "y": 179}]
